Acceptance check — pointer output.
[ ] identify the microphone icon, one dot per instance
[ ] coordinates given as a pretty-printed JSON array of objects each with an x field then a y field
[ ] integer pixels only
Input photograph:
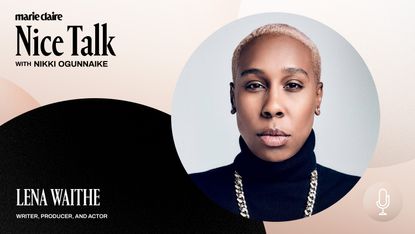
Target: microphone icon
[{"x": 383, "y": 193}]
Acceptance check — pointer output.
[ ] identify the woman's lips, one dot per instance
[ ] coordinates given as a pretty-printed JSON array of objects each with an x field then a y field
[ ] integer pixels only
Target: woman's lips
[{"x": 273, "y": 137}]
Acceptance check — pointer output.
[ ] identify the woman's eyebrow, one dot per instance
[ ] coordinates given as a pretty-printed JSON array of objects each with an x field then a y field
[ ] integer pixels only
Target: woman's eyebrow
[
  {"x": 254, "y": 71},
  {"x": 293, "y": 70}
]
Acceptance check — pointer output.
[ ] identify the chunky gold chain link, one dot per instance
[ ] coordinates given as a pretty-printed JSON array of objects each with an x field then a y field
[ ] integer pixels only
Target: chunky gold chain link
[{"x": 311, "y": 198}]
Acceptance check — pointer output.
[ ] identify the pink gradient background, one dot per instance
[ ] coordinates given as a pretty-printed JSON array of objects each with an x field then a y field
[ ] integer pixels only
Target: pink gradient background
[
  {"x": 155, "y": 39},
  {"x": 14, "y": 101}
]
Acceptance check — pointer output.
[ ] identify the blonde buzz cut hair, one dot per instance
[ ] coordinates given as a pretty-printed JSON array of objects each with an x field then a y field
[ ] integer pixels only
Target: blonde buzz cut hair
[{"x": 278, "y": 30}]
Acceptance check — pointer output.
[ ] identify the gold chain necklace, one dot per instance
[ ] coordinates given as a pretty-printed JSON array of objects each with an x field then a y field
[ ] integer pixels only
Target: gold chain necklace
[{"x": 311, "y": 198}]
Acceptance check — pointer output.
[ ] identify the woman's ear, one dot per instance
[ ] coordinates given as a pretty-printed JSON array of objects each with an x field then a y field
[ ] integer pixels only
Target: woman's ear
[
  {"x": 319, "y": 97},
  {"x": 232, "y": 96}
]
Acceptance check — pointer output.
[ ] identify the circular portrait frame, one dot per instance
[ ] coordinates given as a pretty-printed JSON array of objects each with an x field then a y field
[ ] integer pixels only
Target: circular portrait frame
[{"x": 343, "y": 114}]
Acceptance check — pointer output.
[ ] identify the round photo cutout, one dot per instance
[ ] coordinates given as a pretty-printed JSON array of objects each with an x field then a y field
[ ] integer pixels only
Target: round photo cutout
[{"x": 275, "y": 117}]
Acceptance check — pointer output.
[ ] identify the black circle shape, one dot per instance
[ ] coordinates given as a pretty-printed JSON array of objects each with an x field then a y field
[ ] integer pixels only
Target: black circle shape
[{"x": 124, "y": 149}]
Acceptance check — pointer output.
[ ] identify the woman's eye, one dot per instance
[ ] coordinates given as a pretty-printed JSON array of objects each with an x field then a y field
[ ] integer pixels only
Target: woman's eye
[
  {"x": 254, "y": 86},
  {"x": 293, "y": 86}
]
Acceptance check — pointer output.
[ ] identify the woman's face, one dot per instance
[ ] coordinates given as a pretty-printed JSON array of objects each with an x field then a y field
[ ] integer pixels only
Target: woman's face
[{"x": 275, "y": 95}]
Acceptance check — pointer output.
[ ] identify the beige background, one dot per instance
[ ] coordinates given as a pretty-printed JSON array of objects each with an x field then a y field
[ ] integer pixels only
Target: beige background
[{"x": 154, "y": 39}]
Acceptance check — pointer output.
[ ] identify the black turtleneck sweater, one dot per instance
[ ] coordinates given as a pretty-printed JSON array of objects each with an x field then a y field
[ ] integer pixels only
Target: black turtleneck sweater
[{"x": 275, "y": 191}]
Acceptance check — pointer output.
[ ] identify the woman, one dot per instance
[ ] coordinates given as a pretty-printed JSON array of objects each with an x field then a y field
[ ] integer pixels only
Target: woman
[{"x": 275, "y": 93}]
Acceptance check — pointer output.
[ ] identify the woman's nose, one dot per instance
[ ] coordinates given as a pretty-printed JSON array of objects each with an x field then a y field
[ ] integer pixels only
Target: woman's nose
[{"x": 272, "y": 106}]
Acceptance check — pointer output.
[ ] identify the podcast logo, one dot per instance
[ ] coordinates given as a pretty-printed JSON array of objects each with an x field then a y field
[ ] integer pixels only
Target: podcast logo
[
  {"x": 382, "y": 201},
  {"x": 73, "y": 45}
]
